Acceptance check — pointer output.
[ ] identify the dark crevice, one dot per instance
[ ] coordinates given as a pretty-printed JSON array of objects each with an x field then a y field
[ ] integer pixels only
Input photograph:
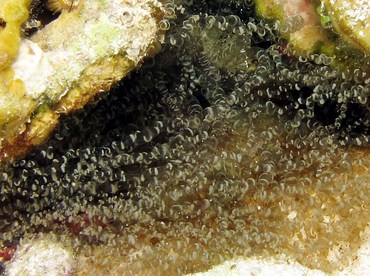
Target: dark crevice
[{"x": 40, "y": 16}]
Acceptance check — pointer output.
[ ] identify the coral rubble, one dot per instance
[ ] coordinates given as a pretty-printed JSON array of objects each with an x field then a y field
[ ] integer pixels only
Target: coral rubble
[{"x": 223, "y": 145}]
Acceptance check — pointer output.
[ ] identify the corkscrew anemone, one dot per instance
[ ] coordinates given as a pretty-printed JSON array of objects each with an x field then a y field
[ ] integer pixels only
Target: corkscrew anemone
[{"x": 194, "y": 159}]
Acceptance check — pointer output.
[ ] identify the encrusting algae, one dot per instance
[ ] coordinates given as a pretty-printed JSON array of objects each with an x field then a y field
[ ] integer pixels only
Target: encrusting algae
[
  {"x": 193, "y": 160},
  {"x": 14, "y": 13}
]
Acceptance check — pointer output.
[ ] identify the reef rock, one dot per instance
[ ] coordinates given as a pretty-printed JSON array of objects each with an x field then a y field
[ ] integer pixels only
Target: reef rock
[
  {"x": 65, "y": 64},
  {"x": 339, "y": 29},
  {"x": 42, "y": 257}
]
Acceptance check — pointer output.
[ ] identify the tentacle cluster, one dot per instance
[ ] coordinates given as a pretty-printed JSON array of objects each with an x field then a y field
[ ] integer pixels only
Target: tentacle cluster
[{"x": 222, "y": 145}]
